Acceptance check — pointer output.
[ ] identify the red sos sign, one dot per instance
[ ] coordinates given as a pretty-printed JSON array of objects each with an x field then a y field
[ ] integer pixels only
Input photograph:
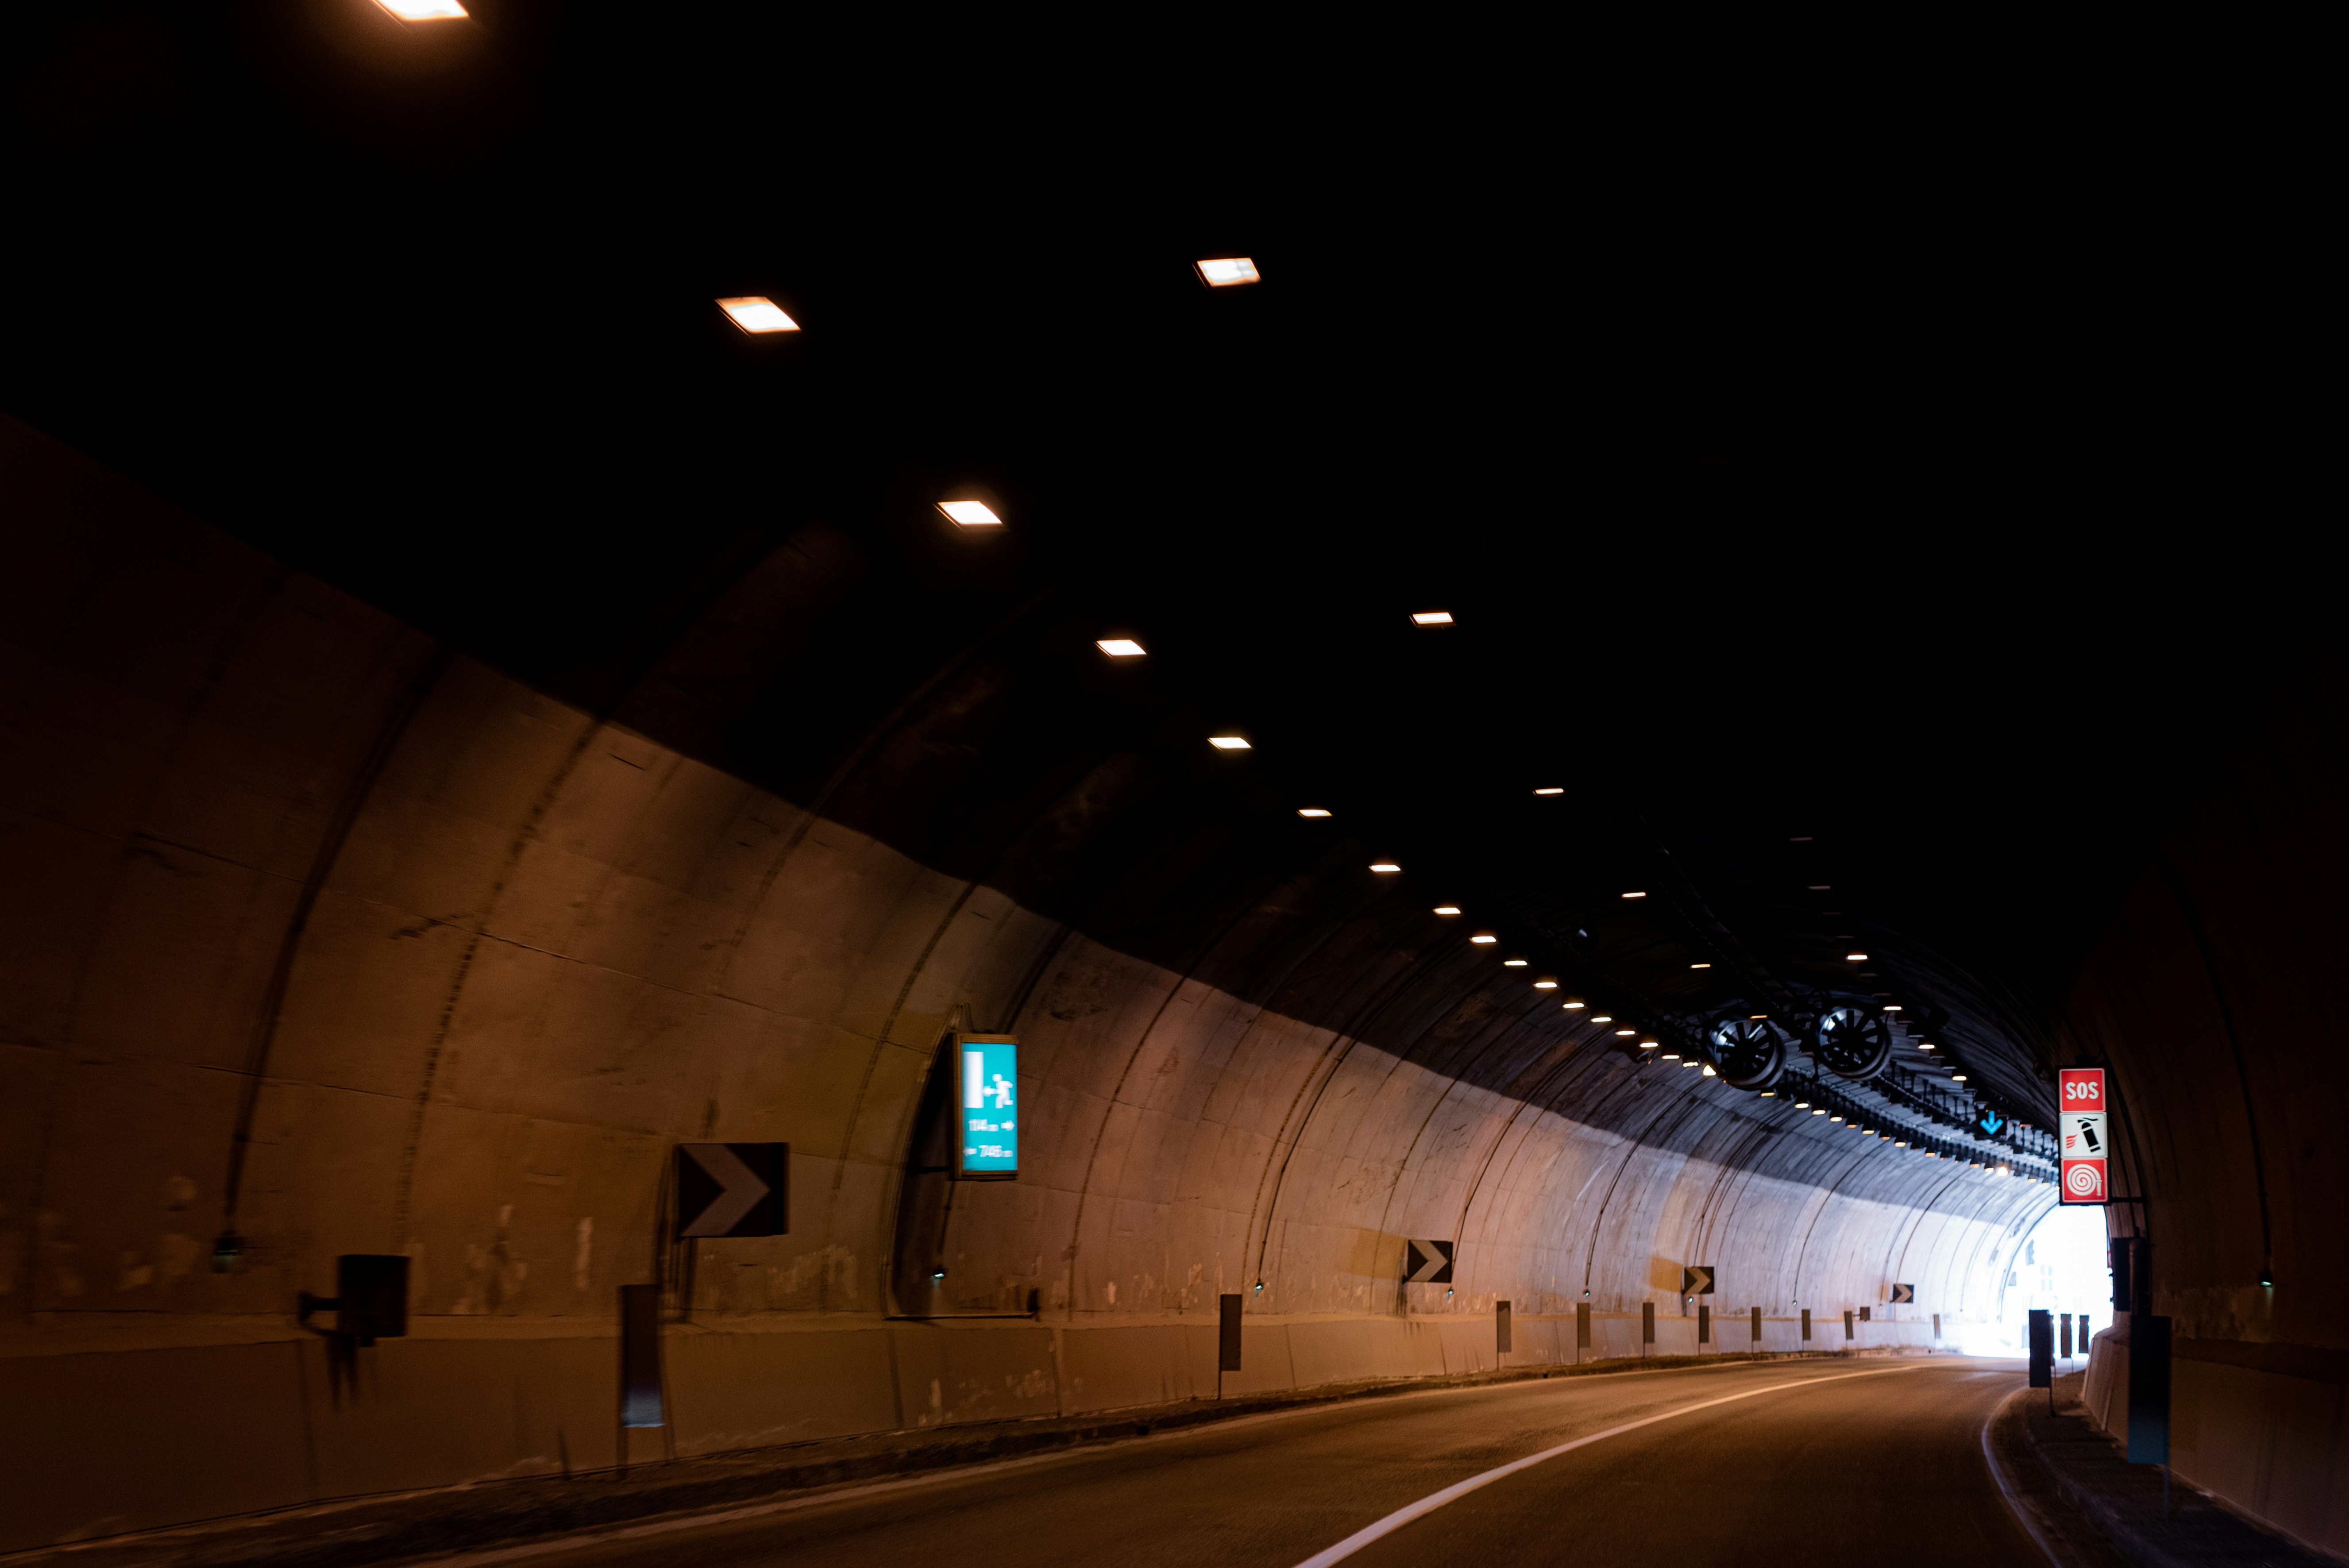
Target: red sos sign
[{"x": 2083, "y": 1134}]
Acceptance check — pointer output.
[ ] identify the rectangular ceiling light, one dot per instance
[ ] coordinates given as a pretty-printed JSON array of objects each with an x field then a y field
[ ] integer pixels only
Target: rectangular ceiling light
[
  {"x": 1431, "y": 617},
  {"x": 423, "y": 10},
  {"x": 1635, "y": 895},
  {"x": 1127, "y": 648},
  {"x": 1228, "y": 743},
  {"x": 757, "y": 312},
  {"x": 1311, "y": 811},
  {"x": 1513, "y": 964},
  {"x": 974, "y": 514},
  {"x": 1545, "y": 984},
  {"x": 1384, "y": 866},
  {"x": 1574, "y": 1006},
  {"x": 1551, "y": 789},
  {"x": 1700, "y": 965},
  {"x": 1447, "y": 909},
  {"x": 1228, "y": 271},
  {"x": 1482, "y": 937}
]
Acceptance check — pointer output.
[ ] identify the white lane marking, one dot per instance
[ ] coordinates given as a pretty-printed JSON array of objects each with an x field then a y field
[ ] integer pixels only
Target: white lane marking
[{"x": 1436, "y": 1499}]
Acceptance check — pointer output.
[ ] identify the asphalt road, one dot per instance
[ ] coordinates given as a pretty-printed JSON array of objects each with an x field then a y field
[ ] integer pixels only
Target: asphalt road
[{"x": 1863, "y": 1462}]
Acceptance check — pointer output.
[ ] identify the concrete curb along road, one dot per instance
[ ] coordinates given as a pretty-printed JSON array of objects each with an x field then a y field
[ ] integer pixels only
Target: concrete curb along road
[
  {"x": 2108, "y": 1510},
  {"x": 382, "y": 1529}
]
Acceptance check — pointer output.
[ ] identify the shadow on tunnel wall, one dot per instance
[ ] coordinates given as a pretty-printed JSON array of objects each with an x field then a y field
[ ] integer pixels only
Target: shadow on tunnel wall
[{"x": 328, "y": 939}]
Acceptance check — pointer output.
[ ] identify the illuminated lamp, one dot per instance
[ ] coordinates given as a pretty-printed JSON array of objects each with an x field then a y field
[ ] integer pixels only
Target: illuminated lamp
[
  {"x": 975, "y": 514},
  {"x": 1311, "y": 811},
  {"x": 1550, "y": 789},
  {"x": 1228, "y": 271},
  {"x": 1635, "y": 895},
  {"x": 1228, "y": 743},
  {"x": 1127, "y": 648},
  {"x": 1431, "y": 617},
  {"x": 1483, "y": 939},
  {"x": 756, "y": 313},
  {"x": 423, "y": 10},
  {"x": 1383, "y": 867}
]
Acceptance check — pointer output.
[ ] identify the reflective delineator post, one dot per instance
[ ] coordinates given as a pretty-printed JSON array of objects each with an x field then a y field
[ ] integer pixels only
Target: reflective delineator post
[
  {"x": 1581, "y": 1330},
  {"x": 1500, "y": 1331},
  {"x": 1228, "y": 1340}
]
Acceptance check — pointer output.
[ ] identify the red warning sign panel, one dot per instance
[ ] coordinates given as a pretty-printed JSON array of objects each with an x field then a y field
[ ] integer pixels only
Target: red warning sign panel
[{"x": 2083, "y": 1129}]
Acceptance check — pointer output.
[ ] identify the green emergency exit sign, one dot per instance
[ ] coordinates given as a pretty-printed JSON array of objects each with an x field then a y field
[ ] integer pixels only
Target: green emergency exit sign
[{"x": 986, "y": 1082}]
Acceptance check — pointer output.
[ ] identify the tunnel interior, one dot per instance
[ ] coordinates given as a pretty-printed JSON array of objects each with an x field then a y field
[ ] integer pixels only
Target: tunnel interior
[{"x": 458, "y": 760}]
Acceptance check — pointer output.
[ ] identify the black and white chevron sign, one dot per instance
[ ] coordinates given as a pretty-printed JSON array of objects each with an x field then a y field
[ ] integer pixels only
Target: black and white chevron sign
[
  {"x": 1904, "y": 1293},
  {"x": 733, "y": 1189},
  {"x": 1428, "y": 1263},
  {"x": 1696, "y": 1279}
]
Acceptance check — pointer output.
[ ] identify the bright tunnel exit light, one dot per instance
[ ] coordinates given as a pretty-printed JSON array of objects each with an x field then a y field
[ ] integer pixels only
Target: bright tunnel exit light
[
  {"x": 1228, "y": 271},
  {"x": 423, "y": 10},
  {"x": 758, "y": 313},
  {"x": 971, "y": 514},
  {"x": 1127, "y": 648}
]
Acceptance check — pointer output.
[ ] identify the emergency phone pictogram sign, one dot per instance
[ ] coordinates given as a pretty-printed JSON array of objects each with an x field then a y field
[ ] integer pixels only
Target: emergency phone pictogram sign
[{"x": 2084, "y": 1134}]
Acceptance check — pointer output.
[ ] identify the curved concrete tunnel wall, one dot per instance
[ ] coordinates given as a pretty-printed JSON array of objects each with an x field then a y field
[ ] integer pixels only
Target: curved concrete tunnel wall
[
  {"x": 2214, "y": 997},
  {"x": 491, "y": 956}
]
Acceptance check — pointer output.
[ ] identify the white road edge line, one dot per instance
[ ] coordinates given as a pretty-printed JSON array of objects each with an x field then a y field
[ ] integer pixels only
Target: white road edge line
[{"x": 1436, "y": 1499}]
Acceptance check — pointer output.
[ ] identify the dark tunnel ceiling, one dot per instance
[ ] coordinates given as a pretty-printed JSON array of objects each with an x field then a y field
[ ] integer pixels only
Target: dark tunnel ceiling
[{"x": 1761, "y": 527}]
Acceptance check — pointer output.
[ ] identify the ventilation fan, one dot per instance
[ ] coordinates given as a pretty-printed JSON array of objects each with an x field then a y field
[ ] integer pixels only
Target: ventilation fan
[
  {"x": 1747, "y": 1053},
  {"x": 1852, "y": 1043}
]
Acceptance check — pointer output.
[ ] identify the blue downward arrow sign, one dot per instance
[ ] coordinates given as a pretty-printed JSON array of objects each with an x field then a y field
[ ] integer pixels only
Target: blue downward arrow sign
[{"x": 1991, "y": 1122}]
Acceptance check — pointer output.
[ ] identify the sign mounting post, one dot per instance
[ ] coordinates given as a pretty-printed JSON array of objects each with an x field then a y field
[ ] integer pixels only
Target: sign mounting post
[{"x": 2083, "y": 1133}]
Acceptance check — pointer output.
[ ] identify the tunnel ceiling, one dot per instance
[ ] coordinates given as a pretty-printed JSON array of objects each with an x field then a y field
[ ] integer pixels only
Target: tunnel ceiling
[{"x": 1851, "y": 600}]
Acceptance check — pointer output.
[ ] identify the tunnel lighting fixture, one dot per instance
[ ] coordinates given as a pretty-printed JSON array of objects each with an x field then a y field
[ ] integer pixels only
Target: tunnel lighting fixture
[
  {"x": 1513, "y": 964},
  {"x": 1447, "y": 909},
  {"x": 1635, "y": 895},
  {"x": 1229, "y": 743},
  {"x": 1550, "y": 789},
  {"x": 1755, "y": 1018},
  {"x": 754, "y": 314},
  {"x": 1669, "y": 1055},
  {"x": 1227, "y": 272},
  {"x": 1821, "y": 887},
  {"x": 1899, "y": 1143},
  {"x": 1802, "y": 1105},
  {"x": 1575, "y": 1005},
  {"x": 1700, "y": 965},
  {"x": 1834, "y": 1118},
  {"x": 1627, "y": 1033},
  {"x": 1924, "y": 1045},
  {"x": 1769, "y": 1094},
  {"x": 423, "y": 10},
  {"x": 1892, "y": 1006},
  {"x": 1431, "y": 617},
  {"x": 1708, "y": 1071},
  {"x": 1482, "y": 938},
  {"x": 1957, "y": 1078},
  {"x": 1815, "y": 1111},
  {"x": 1126, "y": 648},
  {"x": 1854, "y": 958},
  {"x": 2006, "y": 1170},
  {"x": 1311, "y": 811},
  {"x": 1602, "y": 1017},
  {"x": 1385, "y": 867},
  {"x": 1545, "y": 984},
  {"x": 970, "y": 514}
]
